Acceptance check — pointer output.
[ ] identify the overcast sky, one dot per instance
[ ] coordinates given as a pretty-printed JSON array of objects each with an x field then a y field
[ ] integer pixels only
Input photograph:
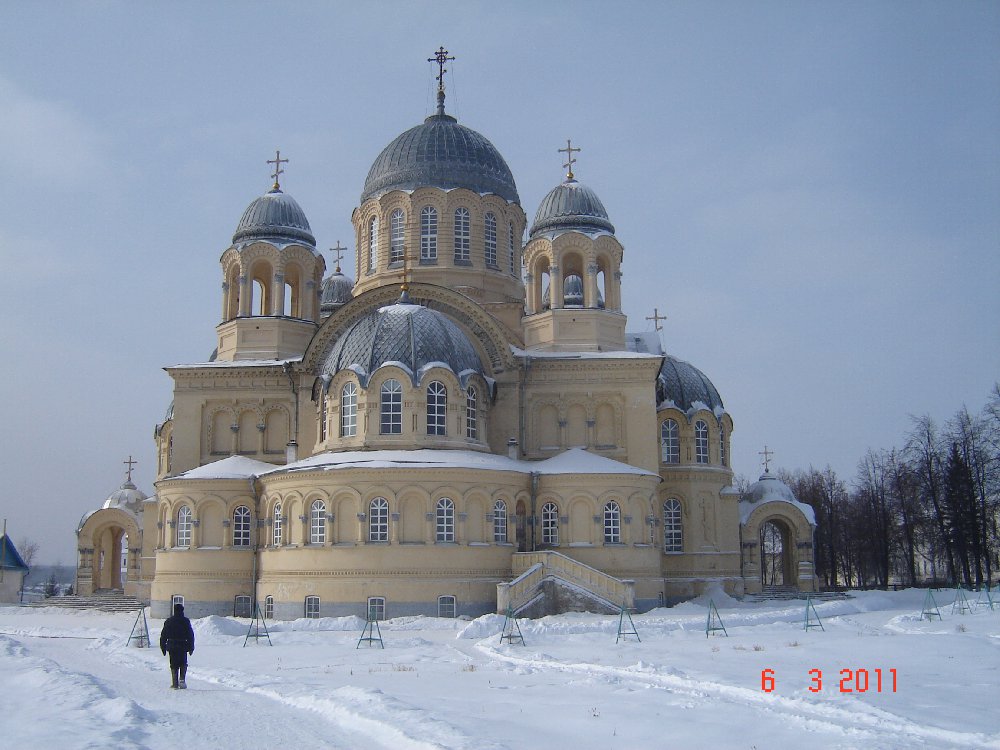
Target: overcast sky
[{"x": 809, "y": 191}]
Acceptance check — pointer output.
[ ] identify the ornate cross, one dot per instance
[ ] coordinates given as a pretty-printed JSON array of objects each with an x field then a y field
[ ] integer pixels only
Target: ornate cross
[
  {"x": 570, "y": 161},
  {"x": 440, "y": 57},
  {"x": 656, "y": 318},
  {"x": 277, "y": 161},
  {"x": 767, "y": 458},
  {"x": 130, "y": 463},
  {"x": 340, "y": 254}
]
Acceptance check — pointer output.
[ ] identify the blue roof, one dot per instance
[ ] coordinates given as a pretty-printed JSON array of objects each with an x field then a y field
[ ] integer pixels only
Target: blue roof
[
  {"x": 275, "y": 216},
  {"x": 686, "y": 385},
  {"x": 571, "y": 206},
  {"x": 10, "y": 559}
]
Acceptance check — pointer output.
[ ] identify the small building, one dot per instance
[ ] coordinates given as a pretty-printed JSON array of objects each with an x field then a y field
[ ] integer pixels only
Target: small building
[{"x": 12, "y": 572}]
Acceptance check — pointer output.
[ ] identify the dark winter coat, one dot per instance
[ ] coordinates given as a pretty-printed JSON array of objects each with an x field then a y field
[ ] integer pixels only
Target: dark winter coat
[{"x": 177, "y": 634}]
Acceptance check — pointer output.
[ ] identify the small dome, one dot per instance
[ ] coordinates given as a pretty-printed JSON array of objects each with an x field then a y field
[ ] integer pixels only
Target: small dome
[
  {"x": 686, "y": 386},
  {"x": 568, "y": 207},
  {"x": 337, "y": 290},
  {"x": 275, "y": 216},
  {"x": 572, "y": 293},
  {"x": 127, "y": 497},
  {"x": 769, "y": 489},
  {"x": 407, "y": 334},
  {"x": 440, "y": 153}
]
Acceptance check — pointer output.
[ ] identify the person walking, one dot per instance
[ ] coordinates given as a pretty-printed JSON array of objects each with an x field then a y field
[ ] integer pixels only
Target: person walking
[{"x": 177, "y": 637}]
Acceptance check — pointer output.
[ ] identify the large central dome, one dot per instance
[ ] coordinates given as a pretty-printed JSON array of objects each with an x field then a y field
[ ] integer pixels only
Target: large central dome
[{"x": 440, "y": 153}]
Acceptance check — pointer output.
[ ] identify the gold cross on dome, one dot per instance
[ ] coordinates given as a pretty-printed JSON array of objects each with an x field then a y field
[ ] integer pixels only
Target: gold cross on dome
[
  {"x": 340, "y": 254},
  {"x": 656, "y": 318},
  {"x": 130, "y": 463},
  {"x": 570, "y": 161},
  {"x": 440, "y": 57},
  {"x": 767, "y": 459},
  {"x": 277, "y": 161}
]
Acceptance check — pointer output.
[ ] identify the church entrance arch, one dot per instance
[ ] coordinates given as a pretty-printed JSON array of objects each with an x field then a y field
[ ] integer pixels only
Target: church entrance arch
[
  {"x": 109, "y": 570},
  {"x": 777, "y": 567}
]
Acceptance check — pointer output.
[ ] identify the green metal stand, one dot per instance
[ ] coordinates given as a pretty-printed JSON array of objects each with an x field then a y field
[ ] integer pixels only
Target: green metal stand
[
  {"x": 930, "y": 609},
  {"x": 714, "y": 622},
  {"x": 372, "y": 634},
  {"x": 988, "y": 600},
  {"x": 622, "y": 631},
  {"x": 511, "y": 630},
  {"x": 961, "y": 603},
  {"x": 254, "y": 631},
  {"x": 140, "y": 631},
  {"x": 812, "y": 616}
]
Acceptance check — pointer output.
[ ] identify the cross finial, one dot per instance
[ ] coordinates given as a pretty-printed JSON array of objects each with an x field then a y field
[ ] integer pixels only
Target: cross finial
[
  {"x": 767, "y": 459},
  {"x": 440, "y": 57},
  {"x": 340, "y": 254},
  {"x": 130, "y": 463},
  {"x": 277, "y": 161},
  {"x": 570, "y": 161},
  {"x": 656, "y": 318}
]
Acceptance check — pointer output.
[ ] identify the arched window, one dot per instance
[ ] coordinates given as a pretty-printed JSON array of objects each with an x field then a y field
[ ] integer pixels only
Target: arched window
[
  {"x": 722, "y": 445},
  {"x": 396, "y": 235},
  {"x": 428, "y": 234},
  {"x": 612, "y": 523},
  {"x": 268, "y": 607},
  {"x": 376, "y": 607},
  {"x": 349, "y": 410},
  {"x": 673, "y": 529},
  {"x": 701, "y": 442},
  {"x": 312, "y": 607},
  {"x": 550, "y": 524},
  {"x": 391, "y": 408},
  {"x": 446, "y": 606},
  {"x": 378, "y": 520},
  {"x": 317, "y": 522},
  {"x": 510, "y": 250},
  {"x": 500, "y": 522},
  {"x": 490, "y": 239},
  {"x": 445, "y": 517},
  {"x": 463, "y": 233},
  {"x": 670, "y": 442},
  {"x": 277, "y": 526},
  {"x": 241, "y": 606},
  {"x": 372, "y": 244},
  {"x": 322, "y": 417},
  {"x": 471, "y": 415},
  {"x": 241, "y": 527},
  {"x": 183, "y": 527},
  {"x": 437, "y": 408}
]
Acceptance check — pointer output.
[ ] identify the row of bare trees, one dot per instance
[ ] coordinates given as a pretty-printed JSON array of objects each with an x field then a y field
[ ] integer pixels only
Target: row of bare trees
[{"x": 927, "y": 511}]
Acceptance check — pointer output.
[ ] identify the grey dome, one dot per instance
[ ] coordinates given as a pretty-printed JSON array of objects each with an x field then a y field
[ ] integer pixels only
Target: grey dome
[
  {"x": 127, "y": 497},
  {"x": 337, "y": 289},
  {"x": 685, "y": 385},
  {"x": 572, "y": 293},
  {"x": 440, "y": 153},
  {"x": 770, "y": 489},
  {"x": 571, "y": 206},
  {"x": 274, "y": 216},
  {"x": 411, "y": 335}
]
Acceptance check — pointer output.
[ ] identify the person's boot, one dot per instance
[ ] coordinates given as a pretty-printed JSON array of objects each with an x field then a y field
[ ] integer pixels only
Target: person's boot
[
  {"x": 182, "y": 684},
  {"x": 173, "y": 679}
]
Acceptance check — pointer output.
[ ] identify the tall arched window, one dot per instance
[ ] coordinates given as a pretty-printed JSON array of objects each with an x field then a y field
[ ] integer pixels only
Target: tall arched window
[
  {"x": 349, "y": 410},
  {"x": 268, "y": 607},
  {"x": 323, "y": 415},
  {"x": 183, "y": 527},
  {"x": 701, "y": 442},
  {"x": 391, "y": 408},
  {"x": 673, "y": 529},
  {"x": 372, "y": 244},
  {"x": 500, "y": 522},
  {"x": 428, "y": 234},
  {"x": 550, "y": 524},
  {"x": 277, "y": 526},
  {"x": 670, "y": 442},
  {"x": 378, "y": 520},
  {"x": 490, "y": 239},
  {"x": 471, "y": 414},
  {"x": 241, "y": 527},
  {"x": 445, "y": 521},
  {"x": 612, "y": 523},
  {"x": 463, "y": 233},
  {"x": 510, "y": 250},
  {"x": 722, "y": 445},
  {"x": 317, "y": 522},
  {"x": 312, "y": 607},
  {"x": 397, "y": 221},
  {"x": 437, "y": 408}
]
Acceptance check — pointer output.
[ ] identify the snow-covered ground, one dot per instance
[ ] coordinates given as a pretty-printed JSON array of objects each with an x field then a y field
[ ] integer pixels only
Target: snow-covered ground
[{"x": 68, "y": 680}]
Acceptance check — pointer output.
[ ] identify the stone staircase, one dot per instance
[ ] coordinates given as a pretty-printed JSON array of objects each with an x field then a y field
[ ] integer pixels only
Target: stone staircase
[
  {"x": 108, "y": 601},
  {"x": 549, "y": 583},
  {"x": 789, "y": 593}
]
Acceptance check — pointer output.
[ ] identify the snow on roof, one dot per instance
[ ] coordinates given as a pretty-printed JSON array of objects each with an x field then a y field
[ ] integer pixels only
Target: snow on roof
[
  {"x": 582, "y": 355},
  {"x": 233, "y": 467},
  {"x": 770, "y": 489},
  {"x": 235, "y": 363}
]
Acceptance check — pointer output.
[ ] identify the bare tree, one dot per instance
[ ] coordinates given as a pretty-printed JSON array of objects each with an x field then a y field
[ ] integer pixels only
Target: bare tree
[{"x": 27, "y": 549}]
